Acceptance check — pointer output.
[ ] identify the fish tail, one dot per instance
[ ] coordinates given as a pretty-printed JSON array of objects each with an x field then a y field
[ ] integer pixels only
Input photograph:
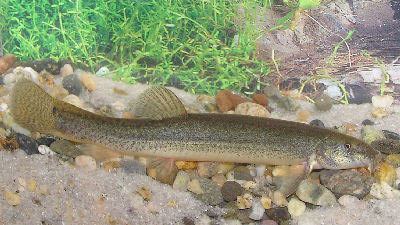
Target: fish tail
[{"x": 31, "y": 107}]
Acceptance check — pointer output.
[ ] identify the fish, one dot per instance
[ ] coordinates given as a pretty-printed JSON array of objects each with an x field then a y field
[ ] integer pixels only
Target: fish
[{"x": 163, "y": 128}]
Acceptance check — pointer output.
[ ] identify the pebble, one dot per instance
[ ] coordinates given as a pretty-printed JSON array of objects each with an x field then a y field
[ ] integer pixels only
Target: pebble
[
  {"x": 163, "y": 170},
  {"x": 315, "y": 194},
  {"x": 27, "y": 144},
  {"x": 74, "y": 100},
  {"x": 288, "y": 103},
  {"x": 58, "y": 92},
  {"x": 195, "y": 187},
  {"x": 358, "y": 94},
  {"x": 251, "y": 109},
  {"x": 323, "y": 102},
  {"x": 9, "y": 78},
  {"x": 231, "y": 190},
  {"x": 244, "y": 201},
  {"x": 384, "y": 191},
  {"x": 268, "y": 222},
  {"x": 260, "y": 170},
  {"x": 219, "y": 179},
  {"x": 145, "y": 193},
  {"x": 45, "y": 150},
  {"x": 386, "y": 146},
  {"x": 334, "y": 92},
  {"x": 385, "y": 172},
  {"x": 382, "y": 101},
  {"x": 181, "y": 181},
  {"x": 296, "y": 207},
  {"x": 278, "y": 214},
  {"x": 85, "y": 162},
  {"x": 279, "y": 199},
  {"x": 391, "y": 135},
  {"x": 393, "y": 160},
  {"x": 88, "y": 82},
  {"x": 379, "y": 112},
  {"x": 6, "y": 62},
  {"x": 346, "y": 182},
  {"x": 66, "y": 70},
  {"x": 266, "y": 202},
  {"x": 257, "y": 211},
  {"x": 186, "y": 165},
  {"x": 46, "y": 140},
  {"x": 224, "y": 168},
  {"x": 12, "y": 198},
  {"x": 49, "y": 65},
  {"x": 242, "y": 173},
  {"x": 367, "y": 122},
  {"x": 272, "y": 92},
  {"x": 111, "y": 165},
  {"x": 132, "y": 166},
  {"x": 370, "y": 134},
  {"x": 27, "y": 72},
  {"x": 207, "y": 169},
  {"x": 260, "y": 99},
  {"x": 348, "y": 200},
  {"x": 103, "y": 71},
  {"x": 317, "y": 123},
  {"x": 226, "y": 100},
  {"x": 208, "y": 102},
  {"x": 232, "y": 222},
  {"x": 303, "y": 116},
  {"x": 72, "y": 84},
  {"x": 211, "y": 192},
  {"x": 66, "y": 148},
  {"x": 31, "y": 185}
]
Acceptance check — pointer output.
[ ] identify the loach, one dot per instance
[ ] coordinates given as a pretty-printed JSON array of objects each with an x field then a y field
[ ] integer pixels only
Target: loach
[{"x": 165, "y": 129}]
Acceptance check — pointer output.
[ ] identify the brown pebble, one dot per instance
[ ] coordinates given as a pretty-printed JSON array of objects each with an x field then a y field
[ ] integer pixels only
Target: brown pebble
[
  {"x": 12, "y": 198},
  {"x": 145, "y": 193},
  {"x": 6, "y": 62},
  {"x": 226, "y": 100},
  {"x": 186, "y": 165},
  {"x": 88, "y": 81},
  {"x": 303, "y": 116},
  {"x": 66, "y": 70},
  {"x": 119, "y": 91},
  {"x": 260, "y": 99}
]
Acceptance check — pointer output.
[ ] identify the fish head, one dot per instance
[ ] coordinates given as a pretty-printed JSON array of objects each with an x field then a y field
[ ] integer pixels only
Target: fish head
[{"x": 346, "y": 153}]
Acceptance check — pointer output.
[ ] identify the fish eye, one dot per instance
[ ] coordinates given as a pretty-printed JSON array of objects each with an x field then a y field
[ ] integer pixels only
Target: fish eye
[{"x": 347, "y": 146}]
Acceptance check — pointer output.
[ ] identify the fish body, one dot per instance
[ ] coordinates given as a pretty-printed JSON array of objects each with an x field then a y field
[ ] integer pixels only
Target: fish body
[{"x": 172, "y": 133}]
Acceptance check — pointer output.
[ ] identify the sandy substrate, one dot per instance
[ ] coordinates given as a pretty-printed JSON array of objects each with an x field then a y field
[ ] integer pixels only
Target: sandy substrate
[{"x": 66, "y": 195}]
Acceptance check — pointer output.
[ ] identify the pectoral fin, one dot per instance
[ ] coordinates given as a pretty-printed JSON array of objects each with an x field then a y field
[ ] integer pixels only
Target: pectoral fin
[{"x": 287, "y": 178}]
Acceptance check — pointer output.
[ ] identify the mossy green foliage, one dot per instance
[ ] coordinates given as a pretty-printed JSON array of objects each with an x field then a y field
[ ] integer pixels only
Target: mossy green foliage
[{"x": 192, "y": 43}]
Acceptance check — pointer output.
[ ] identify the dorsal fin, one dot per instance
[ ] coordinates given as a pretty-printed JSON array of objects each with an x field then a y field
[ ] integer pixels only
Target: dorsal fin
[{"x": 158, "y": 103}]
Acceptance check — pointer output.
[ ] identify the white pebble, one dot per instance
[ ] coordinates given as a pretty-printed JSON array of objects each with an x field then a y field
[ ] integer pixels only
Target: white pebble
[
  {"x": 9, "y": 78},
  {"x": 296, "y": 207},
  {"x": 257, "y": 211},
  {"x": 384, "y": 191},
  {"x": 3, "y": 107},
  {"x": 85, "y": 162},
  {"x": 348, "y": 200},
  {"x": 260, "y": 170},
  {"x": 45, "y": 150},
  {"x": 32, "y": 74},
  {"x": 102, "y": 71},
  {"x": 383, "y": 101},
  {"x": 334, "y": 92},
  {"x": 232, "y": 222},
  {"x": 372, "y": 75},
  {"x": 398, "y": 173},
  {"x": 203, "y": 220}
]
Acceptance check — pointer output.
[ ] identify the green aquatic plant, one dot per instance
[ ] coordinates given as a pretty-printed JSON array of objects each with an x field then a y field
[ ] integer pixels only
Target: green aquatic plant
[{"x": 193, "y": 44}]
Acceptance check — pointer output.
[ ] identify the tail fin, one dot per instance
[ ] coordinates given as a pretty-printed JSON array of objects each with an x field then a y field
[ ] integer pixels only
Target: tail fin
[{"x": 31, "y": 107}]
